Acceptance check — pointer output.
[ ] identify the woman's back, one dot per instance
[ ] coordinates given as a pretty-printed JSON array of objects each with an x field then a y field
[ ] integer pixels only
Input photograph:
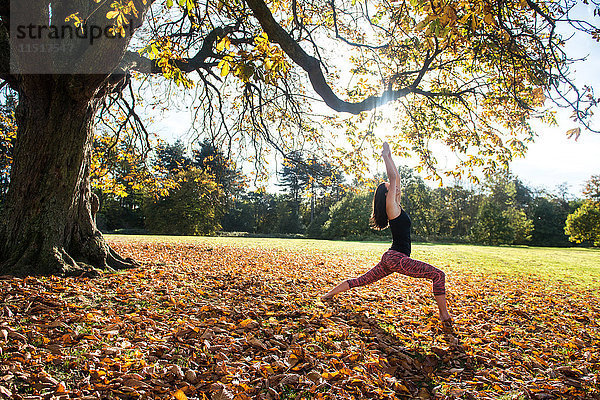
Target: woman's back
[{"x": 400, "y": 227}]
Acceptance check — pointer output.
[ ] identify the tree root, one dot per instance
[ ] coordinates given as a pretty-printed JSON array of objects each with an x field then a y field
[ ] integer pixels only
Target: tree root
[
  {"x": 91, "y": 260},
  {"x": 114, "y": 260},
  {"x": 96, "y": 251}
]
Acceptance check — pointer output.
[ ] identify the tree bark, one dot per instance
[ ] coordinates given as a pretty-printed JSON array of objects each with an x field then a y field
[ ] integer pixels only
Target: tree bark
[{"x": 48, "y": 225}]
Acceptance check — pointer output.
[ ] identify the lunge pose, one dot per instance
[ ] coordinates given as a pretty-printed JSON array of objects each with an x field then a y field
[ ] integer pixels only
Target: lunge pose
[{"x": 387, "y": 211}]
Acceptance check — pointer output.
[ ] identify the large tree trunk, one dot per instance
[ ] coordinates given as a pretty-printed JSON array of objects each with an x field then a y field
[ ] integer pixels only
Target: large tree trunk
[{"x": 48, "y": 225}]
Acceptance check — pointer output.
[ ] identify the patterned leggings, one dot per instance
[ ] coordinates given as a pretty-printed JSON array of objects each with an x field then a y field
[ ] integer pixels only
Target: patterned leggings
[{"x": 394, "y": 261}]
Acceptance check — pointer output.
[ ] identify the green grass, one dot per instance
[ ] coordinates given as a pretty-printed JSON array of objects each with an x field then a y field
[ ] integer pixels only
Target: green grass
[{"x": 570, "y": 265}]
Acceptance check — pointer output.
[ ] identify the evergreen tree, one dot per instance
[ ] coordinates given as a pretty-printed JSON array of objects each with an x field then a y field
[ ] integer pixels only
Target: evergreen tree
[
  {"x": 172, "y": 158},
  {"x": 212, "y": 161}
]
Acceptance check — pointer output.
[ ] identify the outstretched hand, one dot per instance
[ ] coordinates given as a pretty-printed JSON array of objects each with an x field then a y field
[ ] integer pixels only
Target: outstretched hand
[{"x": 386, "y": 150}]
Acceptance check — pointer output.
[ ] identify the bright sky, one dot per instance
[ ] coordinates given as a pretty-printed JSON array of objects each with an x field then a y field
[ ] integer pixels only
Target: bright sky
[{"x": 553, "y": 159}]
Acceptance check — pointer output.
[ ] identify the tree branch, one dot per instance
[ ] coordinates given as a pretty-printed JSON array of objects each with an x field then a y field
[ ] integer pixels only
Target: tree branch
[
  {"x": 312, "y": 66},
  {"x": 134, "y": 61},
  {"x": 343, "y": 39},
  {"x": 535, "y": 7}
]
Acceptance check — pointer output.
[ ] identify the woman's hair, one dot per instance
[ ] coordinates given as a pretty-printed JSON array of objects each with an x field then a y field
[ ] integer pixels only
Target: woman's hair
[{"x": 379, "y": 219}]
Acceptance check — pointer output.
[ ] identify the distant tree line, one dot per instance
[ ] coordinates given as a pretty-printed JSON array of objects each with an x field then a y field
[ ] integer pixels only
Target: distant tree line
[
  {"x": 201, "y": 192},
  {"x": 501, "y": 210}
]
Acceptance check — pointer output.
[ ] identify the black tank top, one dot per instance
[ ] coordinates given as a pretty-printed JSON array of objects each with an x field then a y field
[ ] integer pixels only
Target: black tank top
[{"x": 400, "y": 227}]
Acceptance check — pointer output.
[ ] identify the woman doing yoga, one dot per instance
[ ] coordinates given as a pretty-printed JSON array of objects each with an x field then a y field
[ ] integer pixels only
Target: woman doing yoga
[{"x": 387, "y": 210}]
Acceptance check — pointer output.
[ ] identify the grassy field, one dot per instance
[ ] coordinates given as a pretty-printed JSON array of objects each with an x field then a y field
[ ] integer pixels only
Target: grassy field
[{"x": 568, "y": 265}]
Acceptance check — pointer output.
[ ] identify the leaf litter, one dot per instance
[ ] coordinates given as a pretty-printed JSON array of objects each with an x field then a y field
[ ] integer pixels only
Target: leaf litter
[{"x": 201, "y": 321}]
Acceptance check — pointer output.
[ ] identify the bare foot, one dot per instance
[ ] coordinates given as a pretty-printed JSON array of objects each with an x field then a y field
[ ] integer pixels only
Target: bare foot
[{"x": 447, "y": 326}]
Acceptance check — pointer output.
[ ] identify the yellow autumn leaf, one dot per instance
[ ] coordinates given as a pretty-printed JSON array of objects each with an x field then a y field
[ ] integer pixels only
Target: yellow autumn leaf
[
  {"x": 61, "y": 388},
  {"x": 246, "y": 322},
  {"x": 330, "y": 375},
  {"x": 112, "y": 14},
  {"x": 223, "y": 44},
  {"x": 179, "y": 395},
  {"x": 402, "y": 388},
  {"x": 224, "y": 68}
]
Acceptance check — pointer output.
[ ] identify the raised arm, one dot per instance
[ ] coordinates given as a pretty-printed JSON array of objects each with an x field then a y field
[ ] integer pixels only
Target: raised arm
[
  {"x": 390, "y": 167},
  {"x": 391, "y": 205}
]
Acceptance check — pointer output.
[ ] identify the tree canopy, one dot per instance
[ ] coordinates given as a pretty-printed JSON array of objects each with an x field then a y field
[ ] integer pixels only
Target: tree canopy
[{"x": 466, "y": 74}]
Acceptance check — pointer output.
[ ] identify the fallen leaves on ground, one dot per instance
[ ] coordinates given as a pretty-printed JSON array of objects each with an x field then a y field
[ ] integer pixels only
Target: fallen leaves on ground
[{"x": 224, "y": 322}]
